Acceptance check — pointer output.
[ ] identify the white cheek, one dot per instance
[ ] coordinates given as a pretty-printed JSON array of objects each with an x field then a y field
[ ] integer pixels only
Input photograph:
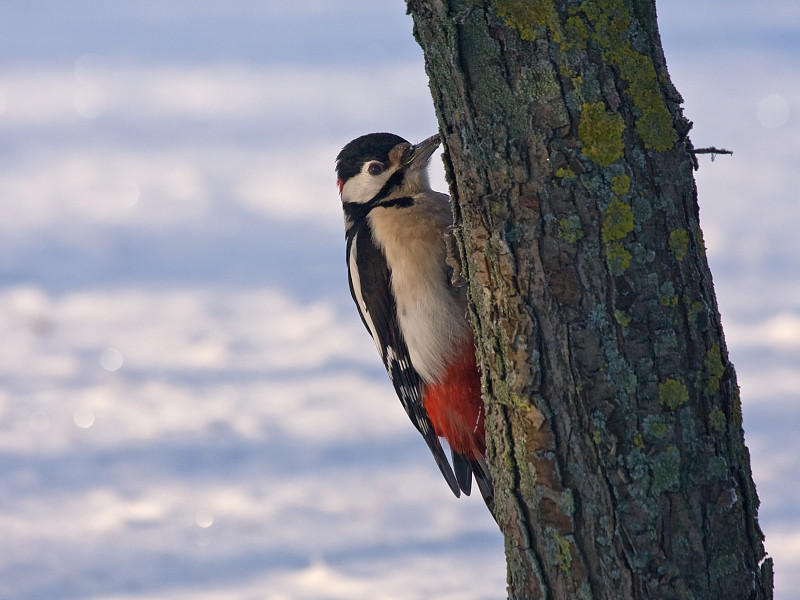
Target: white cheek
[{"x": 363, "y": 187}]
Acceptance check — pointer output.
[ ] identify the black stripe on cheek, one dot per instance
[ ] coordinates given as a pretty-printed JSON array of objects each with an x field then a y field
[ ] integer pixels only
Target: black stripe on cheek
[
  {"x": 356, "y": 212},
  {"x": 398, "y": 203},
  {"x": 394, "y": 181}
]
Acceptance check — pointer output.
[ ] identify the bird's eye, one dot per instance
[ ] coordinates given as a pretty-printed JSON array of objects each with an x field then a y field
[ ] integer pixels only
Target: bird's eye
[{"x": 375, "y": 169}]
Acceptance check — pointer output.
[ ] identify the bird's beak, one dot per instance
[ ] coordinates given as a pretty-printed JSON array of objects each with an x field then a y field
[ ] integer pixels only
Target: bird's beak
[{"x": 417, "y": 156}]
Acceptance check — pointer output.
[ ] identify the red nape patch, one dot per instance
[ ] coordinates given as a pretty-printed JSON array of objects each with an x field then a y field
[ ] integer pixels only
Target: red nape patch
[
  {"x": 339, "y": 184},
  {"x": 455, "y": 406}
]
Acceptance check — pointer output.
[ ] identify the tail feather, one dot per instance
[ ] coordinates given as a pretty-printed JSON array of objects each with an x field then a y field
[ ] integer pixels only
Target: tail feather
[
  {"x": 484, "y": 480},
  {"x": 463, "y": 469}
]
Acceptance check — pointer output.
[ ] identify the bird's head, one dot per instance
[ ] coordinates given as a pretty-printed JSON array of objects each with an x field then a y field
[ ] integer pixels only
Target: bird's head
[{"x": 380, "y": 166}]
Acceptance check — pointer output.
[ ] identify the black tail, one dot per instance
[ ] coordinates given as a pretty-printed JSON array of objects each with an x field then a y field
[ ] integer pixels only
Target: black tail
[{"x": 464, "y": 470}]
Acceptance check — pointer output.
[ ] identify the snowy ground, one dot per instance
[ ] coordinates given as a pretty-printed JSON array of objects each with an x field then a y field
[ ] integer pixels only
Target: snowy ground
[{"x": 189, "y": 406}]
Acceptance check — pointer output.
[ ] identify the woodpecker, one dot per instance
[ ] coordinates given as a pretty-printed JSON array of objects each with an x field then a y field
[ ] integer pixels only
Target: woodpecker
[{"x": 395, "y": 227}]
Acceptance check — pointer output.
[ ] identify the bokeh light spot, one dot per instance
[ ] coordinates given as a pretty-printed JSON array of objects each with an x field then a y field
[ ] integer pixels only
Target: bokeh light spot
[
  {"x": 204, "y": 518},
  {"x": 772, "y": 111},
  {"x": 83, "y": 418},
  {"x": 111, "y": 359}
]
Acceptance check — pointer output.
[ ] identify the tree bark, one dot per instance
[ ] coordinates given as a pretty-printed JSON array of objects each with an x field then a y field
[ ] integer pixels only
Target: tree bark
[{"x": 614, "y": 420}]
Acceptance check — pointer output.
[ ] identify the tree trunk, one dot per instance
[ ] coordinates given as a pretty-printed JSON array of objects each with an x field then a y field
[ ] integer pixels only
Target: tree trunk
[{"x": 614, "y": 420}]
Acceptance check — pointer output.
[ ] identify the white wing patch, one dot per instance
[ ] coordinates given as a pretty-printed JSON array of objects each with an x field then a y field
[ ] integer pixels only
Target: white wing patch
[
  {"x": 403, "y": 364},
  {"x": 362, "y": 306}
]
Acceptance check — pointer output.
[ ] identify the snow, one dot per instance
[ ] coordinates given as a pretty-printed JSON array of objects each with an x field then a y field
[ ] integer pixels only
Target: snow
[{"x": 189, "y": 405}]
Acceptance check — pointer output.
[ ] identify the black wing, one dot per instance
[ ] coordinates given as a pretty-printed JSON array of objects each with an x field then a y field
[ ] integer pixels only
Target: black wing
[{"x": 368, "y": 274}]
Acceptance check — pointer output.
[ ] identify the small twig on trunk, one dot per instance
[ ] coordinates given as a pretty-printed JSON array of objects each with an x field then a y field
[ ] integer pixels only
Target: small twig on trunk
[{"x": 713, "y": 151}]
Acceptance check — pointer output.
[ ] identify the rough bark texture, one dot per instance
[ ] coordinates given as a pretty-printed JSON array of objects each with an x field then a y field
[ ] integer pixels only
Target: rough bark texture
[{"x": 614, "y": 419}]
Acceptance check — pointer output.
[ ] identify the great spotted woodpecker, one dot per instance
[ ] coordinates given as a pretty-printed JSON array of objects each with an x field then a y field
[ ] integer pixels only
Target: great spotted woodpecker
[{"x": 395, "y": 227}]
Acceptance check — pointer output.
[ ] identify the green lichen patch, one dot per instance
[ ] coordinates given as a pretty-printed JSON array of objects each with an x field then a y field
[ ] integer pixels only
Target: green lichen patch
[
  {"x": 666, "y": 468},
  {"x": 570, "y": 229},
  {"x": 679, "y": 243},
  {"x": 695, "y": 310},
  {"x": 620, "y": 184},
  {"x": 601, "y": 133},
  {"x": 655, "y": 125},
  {"x": 672, "y": 394},
  {"x": 575, "y": 32},
  {"x": 609, "y": 25},
  {"x": 565, "y": 173},
  {"x": 617, "y": 221},
  {"x": 563, "y": 554},
  {"x": 713, "y": 368},
  {"x": 526, "y": 16},
  {"x": 668, "y": 301},
  {"x": 668, "y": 297},
  {"x": 716, "y": 419},
  {"x": 655, "y": 428},
  {"x": 617, "y": 258},
  {"x": 621, "y": 317},
  {"x": 736, "y": 408}
]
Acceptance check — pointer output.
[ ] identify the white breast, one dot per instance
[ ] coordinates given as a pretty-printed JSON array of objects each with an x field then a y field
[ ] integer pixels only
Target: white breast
[{"x": 432, "y": 314}]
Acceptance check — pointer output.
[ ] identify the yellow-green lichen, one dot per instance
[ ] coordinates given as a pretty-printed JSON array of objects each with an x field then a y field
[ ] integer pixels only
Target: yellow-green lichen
[
  {"x": 714, "y": 369},
  {"x": 563, "y": 554},
  {"x": 601, "y": 133},
  {"x": 570, "y": 229},
  {"x": 654, "y": 125},
  {"x": 694, "y": 310},
  {"x": 668, "y": 301},
  {"x": 638, "y": 441},
  {"x": 617, "y": 221},
  {"x": 716, "y": 419},
  {"x": 736, "y": 407},
  {"x": 575, "y": 32},
  {"x": 655, "y": 427},
  {"x": 609, "y": 23},
  {"x": 526, "y": 16},
  {"x": 672, "y": 394},
  {"x": 620, "y": 184},
  {"x": 668, "y": 297},
  {"x": 617, "y": 258},
  {"x": 679, "y": 243},
  {"x": 621, "y": 317},
  {"x": 565, "y": 173}
]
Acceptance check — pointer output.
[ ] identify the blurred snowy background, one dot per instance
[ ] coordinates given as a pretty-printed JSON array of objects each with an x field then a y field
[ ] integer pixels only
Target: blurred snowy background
[{"x": 189, "y": 405}]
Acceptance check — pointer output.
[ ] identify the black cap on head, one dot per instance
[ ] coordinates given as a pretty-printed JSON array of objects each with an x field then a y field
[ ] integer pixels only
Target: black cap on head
[{"x": 373, "y": 146}]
